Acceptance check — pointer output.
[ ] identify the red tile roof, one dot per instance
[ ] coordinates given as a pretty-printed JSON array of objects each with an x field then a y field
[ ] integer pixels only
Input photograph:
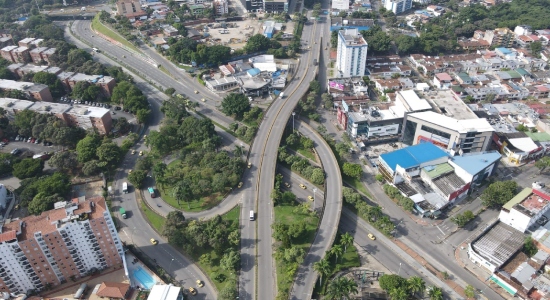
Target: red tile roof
[
  {"x": 8, "y": 236},
  {"x": 113, "y": 290}
]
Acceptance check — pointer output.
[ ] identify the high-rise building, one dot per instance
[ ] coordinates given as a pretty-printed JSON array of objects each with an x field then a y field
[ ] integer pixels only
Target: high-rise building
[
  {"x": 65, "y": 243},
  {"x": 352, "y": 53},
  {"x": 397, "y": 6}
]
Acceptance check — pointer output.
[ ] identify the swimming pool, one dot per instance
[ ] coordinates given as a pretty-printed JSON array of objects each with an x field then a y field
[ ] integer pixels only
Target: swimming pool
[{"x": 144, "y": 278}]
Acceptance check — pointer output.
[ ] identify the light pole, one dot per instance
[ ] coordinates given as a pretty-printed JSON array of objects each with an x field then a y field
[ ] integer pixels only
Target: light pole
[
  {"x": 293, "y": 113},
  {"x": 170, "y": 266},
  {"x": 399, "y": 269},
  {"x": 314, "y": 190}
]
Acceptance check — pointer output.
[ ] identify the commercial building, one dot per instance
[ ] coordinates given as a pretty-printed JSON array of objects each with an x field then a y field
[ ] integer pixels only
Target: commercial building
[
  {"x": 165, "y": 292},
  {"x": 69, "y": 241},
  {"x": 274, "y": 6},
  {"x": 397, "y": 6},
  {"x": 87, "y": 117},
  {"x": 352, "y": 53},
  {"x": 463, "y": 136},
  {"x": 522, "y": 211},
  {"x": 517, "y": 147},
  {"x": 254, "y": 5},
  {"x": 35, "y": 91}
]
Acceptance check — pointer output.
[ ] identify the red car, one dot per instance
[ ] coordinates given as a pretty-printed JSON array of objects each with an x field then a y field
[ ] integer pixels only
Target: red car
[{"x": 6, "y": 141}]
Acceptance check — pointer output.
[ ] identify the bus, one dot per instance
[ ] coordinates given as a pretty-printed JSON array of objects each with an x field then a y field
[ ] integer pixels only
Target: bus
[
  {"x": 125, "y": 188},
  {"x": 151, "y": 192}
]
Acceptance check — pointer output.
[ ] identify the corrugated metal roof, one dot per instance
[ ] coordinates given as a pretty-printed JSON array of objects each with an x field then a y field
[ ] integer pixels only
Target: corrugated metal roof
[
  {"x": 413, "y": 155},
  {"x": 518, "y": 198},
  {"x": 438, "y": 170}
]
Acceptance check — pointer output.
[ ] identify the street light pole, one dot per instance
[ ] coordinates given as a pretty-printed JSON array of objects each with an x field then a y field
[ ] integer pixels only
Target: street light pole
[
  {"x": 293, "y": 113},
  {"x": 399, "y": 269},
  {"x": 170, "y": 266}
]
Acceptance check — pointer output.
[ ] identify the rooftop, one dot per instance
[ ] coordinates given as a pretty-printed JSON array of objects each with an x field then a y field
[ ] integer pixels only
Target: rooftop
[
  {"x": 164, "y": 292},
  {"x": 438, "y": 170},
  {"x": 413, "y": 101},
  {"x": 518, "y": 198},
  {"x": 524, "y": 144},
  {"x": 448, "y": 183},
  {"x": 15, "y": 104},
  {"x": 461, "y": 126},
  {"x": 474, "y": 163},
  {"x": 113, "y": 290},
  {"x": 443, "y": 77},
  {"x": 90, "y": 111},
  {"x": 22, "y": 86},
  {"x": 413, "y": 156},
  {"x": 50, "y": 107},
  {"x": 499, "y": 243},
  {"x": 450, "y": 104},
  {"x": 352, "y": 37},
  {"x": 538, "y": 136}
]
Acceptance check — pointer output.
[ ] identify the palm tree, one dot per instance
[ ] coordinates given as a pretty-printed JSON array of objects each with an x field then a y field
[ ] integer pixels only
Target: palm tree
[
  {"x": 399, "y": 294},
  {"x": 336, "y": 250},
  {"x": 322, "y": 267},
  {"x": 435, "y": 293},
  {"x": 341, "y": 287},
  {"x": 346, "y": 240},
  {"x": 182, "y": 191},
  {"x": 416, "y": 285}
]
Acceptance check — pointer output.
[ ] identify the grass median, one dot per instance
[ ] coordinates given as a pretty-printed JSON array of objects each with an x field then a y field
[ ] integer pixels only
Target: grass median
[{"x": 97, "y": 25}]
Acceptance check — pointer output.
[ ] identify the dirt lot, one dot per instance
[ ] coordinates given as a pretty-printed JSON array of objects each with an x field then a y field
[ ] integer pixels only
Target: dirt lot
[
  {"x": 90, "y": 189},
  {"x": 239, "y": 31}
]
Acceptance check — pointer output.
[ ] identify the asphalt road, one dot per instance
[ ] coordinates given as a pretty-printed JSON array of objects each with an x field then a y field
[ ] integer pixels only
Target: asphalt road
[{"x": 185, "y": 272}]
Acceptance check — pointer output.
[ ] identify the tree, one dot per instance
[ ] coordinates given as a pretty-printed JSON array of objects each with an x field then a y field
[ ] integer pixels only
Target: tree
[
  {"x": 529, "y": 247},
  {"x": 323, "y": 268},
  {"x": 498, "y": 193},
  {"x": 346, "y": 240},
  {"x": 65, "y": 161},
  {"x": 416, "y": 285},
  {"x": 469, "y": 291},
  {"x": 536, "y": 48},
  {"x": 341, "y": 288},
  {"x": 294, "y": 254},
  {"x": 462, "y": 219},
  {"x": 315, "y": 87},
  {"x": 92, "y": 167},
  {"x": 108, "y": 152},
  {"x": 182, "y": 191},
  {"x": 406, "y": 44},
  {"x": 257, "y": 42},
  {"x": 317, "y": 176},
  {"x": 86, "y": 148},
  {"x": 390, "y": 282},
  {"x": 51, "y": 80},
  {"x": 435, "y": 293},
  {"x": 379, "y": 178},
  {"x": 399, "y": 294},
  {"x": 43, "y": 202},
  {"x": 173, "y": 225},
  {"x": 235, "y": 104},
  {"x": 27, "y": 168},
  {"x": 137, "y": 177},
  {"x": 337, "y": 251},
  {"x": 6, "y": 163},
  {"x": 352, "y": 170},
  {"x": 230, "y": 261},
  {"x": 542, "y": 163},
  {"x": 170, "y": 91}
]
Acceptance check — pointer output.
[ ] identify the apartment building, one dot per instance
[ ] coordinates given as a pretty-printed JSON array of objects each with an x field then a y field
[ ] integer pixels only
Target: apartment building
[
  {"x": 41, "y": 54},
  {"x": 397, "y": 6},
  {"x": 69, "y": 241},
  {"x": 35, "y": 91},
  {"x": 87, "y": 117},
  {"x": 221, "y": 7},
  {"x": 464, "y": 136},
  {"x": 352, "y": 53},
  {"x": 70, "y": 79},
  {"x": 131, "y": 9},
  {"x": 499, "y": 37}
]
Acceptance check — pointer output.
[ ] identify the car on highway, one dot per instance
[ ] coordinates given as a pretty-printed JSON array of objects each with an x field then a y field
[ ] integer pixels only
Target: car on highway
[
  {"x": 371, "y": 236},
  {"x": 240, "y": 184},
  {"x": 303, "y": 186},
  {"x": 200, "y": 283},
  {"x": 287, "y": 184},
  {"x": 133, "y": 152},
  {"x": 196, "y": 92},
  {"x": 310, "y": 198},
  {"x": 130, "y": 171},
  {"x": 249, "y": 165},
  {"x": 203, "y": 100},
  {"x": 192, "y": 291},
  {"x": 153, "y": 241},
  {"x": 140, "y": 153}
]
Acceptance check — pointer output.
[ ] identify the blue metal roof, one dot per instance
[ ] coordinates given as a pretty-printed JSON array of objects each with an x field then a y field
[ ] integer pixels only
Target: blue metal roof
[
  {"x": 476, "y": 162},
  {"x": 413, "y": 156},
  {"x": 254, "y": 71}
]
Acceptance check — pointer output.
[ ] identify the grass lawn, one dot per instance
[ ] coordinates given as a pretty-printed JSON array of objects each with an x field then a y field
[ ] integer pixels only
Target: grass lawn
[
  {"x": 357, "y": 184},
  {"x": 212, "y": 270},
  {"x": 155, "y": 219},
  {"x": 285, "y": 214},
  {"x": 305, "y": 152},
  {"x": 163, "y": 69},
  {"x": 97, "y": 25}
]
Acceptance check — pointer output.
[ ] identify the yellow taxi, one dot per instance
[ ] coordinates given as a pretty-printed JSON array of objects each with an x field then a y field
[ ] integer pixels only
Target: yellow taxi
[
  {"x": 303, "y": 186},
  {"x": 153, "y": 241}
]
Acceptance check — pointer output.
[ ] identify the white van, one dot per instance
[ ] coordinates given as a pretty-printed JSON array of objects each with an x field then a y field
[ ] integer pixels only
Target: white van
[{"x": 251, "y": 215}]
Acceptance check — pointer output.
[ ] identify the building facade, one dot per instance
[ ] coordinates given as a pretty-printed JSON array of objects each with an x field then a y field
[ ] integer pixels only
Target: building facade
[
  {"x": 352, "y": 53},
  {"x": 68, "y": 242},
  {"x": 273, "y": 6},
  {"x": 398, "y": 6},
  {"x": 473, "y": 135},
  {"x": 34, "y": 91},
  {"x": 130, "y": 8}
]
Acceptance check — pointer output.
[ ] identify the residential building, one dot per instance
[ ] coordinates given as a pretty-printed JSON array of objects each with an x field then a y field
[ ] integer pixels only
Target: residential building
[
  {"x": 87, "y": 117},
  {"x": 274, "y": 6},
  {"x": 221, "y": 7},
  {"x": 165, "y": 292},
  {"x": 131, "y": 9},
  {"x": 106, "y": 83},
  {"x": 66, "y": 242},
  {"x": 35, "y": 91},
  {"x": 522, "y": 211},
  {"x": 499, "y": 37},
  {"x": 197, "y": 9},
  {"x": 523, "y": 30},
  {"x": 113, "y": 290},
  {"x": 352, "y": 53},
  {"x": 461, "y": 136},
  {"x": 221, "y": 84},
  {"x": 169, "y": 30},
  {"x": 6, "y": 41},
  {"x": 7, "y": 54},
  {"x": 397, "y": 6},
  {"x": 442, "y": 80}
]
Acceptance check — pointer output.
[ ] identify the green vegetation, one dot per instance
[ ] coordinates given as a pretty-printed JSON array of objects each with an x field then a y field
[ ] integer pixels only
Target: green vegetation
[
  {"x": 40, "y": 193},
  {"x": 300, "y": 144},
  {"x": 470, "y": 291},
  {"x": 498, "y": 193},
  {"x": 307, "y": 105},
  {"x": 529, "y": 247},
  {"x": 235, "y": 105},
  {"x": 401, "y": 288},
  {"x": 212, "y": 243},
  {"x": 462, "y": 219},
  {"x": 369, "y": 213},
  {"x": 127, "y": 94},
  {"x": 542, "y": 163},
  {"x": 27, "y": 168},
  {"x": 302, "y": 166},
  {"x": 156, "y": 220},
  {"x": 396, "y": 196},
  {"x": 98, "y": 26}
]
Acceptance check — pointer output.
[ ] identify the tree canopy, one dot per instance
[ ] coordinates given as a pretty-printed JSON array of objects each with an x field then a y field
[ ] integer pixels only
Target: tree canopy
[
  {"x": 498, "y": 193},
  {"x": 235, "y": 104},
  {"x": 257, "y": 42}
]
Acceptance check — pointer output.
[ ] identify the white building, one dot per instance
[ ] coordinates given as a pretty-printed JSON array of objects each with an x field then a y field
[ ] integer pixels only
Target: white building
[
  {"x": 525, "y": 209},
  {"x": 352, "y": 53},
  {"x": 398, "y": 6},
  {"x": 340, "y": 4},
  {"x": 165, "y": 292},
  {"x": 3, "y": 196}
]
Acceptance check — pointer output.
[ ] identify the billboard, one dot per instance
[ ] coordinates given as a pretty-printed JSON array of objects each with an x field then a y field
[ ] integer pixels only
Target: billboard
[{"x": 336, "y": 85}]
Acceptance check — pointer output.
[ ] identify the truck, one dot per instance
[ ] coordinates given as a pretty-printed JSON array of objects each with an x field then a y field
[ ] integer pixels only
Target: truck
[
  {"x": 125, "y": 188},
  {"x": 122, "y": 212}
]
